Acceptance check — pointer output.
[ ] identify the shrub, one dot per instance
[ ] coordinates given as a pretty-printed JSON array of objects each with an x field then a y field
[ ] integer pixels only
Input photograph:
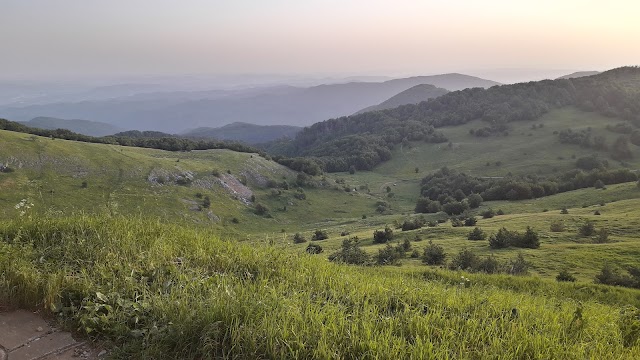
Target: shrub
[
  {"x": 350, "y": 253},
  {"x": 314, "y": 249},
  {"x": 389, "y": 255},
  {"x": 477, "y": 234},
  {"x": 455, "y": 207},
  {"x": 206, "y": 203},
  {"x": 471, "y": 221},
  {"x": 412, "y": 224},
  {"x": 587, "y": 229},
  {"x": 489, "y": 265},
  {"x": 603, "y": 236},
  {"x": 500, "y": 212},
  {"x": 298, "y": 238},
  {"x": 565, "y": 276},
  {"x": 455, "y": 222},
  {"x": 215, "y": 172},
  {"x": 597, "y": 212},
  {"x": 235, "y": 220},
  {"x": 84, "y": 185},
  {"x": 199, "y": 195},
  {"x": 488, "y": 214},
  {"x": 464, "y": 260},
  {"x": 564, "y": 211},
  {"x": 527, "y": 240},
  {"x": 599, "y": 184},
  {"x": 261, "y": 209},
  {"x": 557, "y": 226},
  {"x": 382, "y": 236},
  {"x": 319, "y": 235},
  {"x": 519, "y": 266},
  {"x": 502, "y": 239},
  {"x": 433, "y": 254},
  {"x": 475, "y": 200},
  {"x": 611, "y": 276}
]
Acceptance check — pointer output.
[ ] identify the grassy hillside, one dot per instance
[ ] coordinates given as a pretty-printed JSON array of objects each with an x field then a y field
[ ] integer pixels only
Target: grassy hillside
[
  {"x": 63, "y": 177},
  {"x": 163, "y": 291},
  {"x": 524, "y": 151}
]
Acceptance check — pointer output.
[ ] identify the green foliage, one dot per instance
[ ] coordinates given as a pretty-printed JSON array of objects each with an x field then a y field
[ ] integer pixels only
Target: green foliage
[
  {"x": 389, "y": 255},
  {"x": 557, "y": 226},
  {"x": 299, "y": 238},
  {"x": 206, "y": 203},
  {"x": 565, "y": 276},
  {"x": 314, "y": 249},
  {"x": 433, "y": 254},
  {"x": 475, "y": 200},
  {"x": 464, "y": 260},
  {"x": 261, "y": 209},
  {"x": 476, "y": 234},
  {"x": 519, "y": 266},
  {"x": 319, "y": 235},
  {"x": 413, "y": 224},
  {"x": 350, "y": 253},
  {"x": 603, "y": 236},
  {"x": 529, "y": 239},
  {"x": 502, "y": 239},
  {"x": 382, "y": 236},
  {"x": 587, "y": 229},
  {"x": 446, "y": 185},
  {"x": 188, "y": 294},
  {"x": 488, "y": 214}
]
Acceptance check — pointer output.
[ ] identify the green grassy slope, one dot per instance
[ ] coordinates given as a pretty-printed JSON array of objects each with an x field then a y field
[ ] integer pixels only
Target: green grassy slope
[
  {"x": 524, "y": 151},
  {"x": 165, "y": 291},
  {"x": 121, "y": 180}
]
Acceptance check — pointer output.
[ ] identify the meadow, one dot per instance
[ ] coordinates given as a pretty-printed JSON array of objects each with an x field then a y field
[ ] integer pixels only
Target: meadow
[{"x": 164, "y": 291}]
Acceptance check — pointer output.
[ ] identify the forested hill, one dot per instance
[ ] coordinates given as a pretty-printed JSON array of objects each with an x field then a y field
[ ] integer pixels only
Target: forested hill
[{"x": 365, "y": 140}]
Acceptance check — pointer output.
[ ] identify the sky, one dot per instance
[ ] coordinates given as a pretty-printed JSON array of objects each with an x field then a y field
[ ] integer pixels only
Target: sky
[{"x": 75, "y": 38}]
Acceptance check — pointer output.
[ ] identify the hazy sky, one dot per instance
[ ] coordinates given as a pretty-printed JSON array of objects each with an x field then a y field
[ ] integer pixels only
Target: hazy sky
[{"x": 105, "y": 37}]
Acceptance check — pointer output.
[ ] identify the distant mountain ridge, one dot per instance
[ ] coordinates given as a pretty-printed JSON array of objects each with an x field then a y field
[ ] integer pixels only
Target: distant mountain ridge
[
  {"x": 84, "y": 127},
  {"x": 289, "y": 105},
  {"x": 245, "y": 132},
  {"x": 579, "y": 74},
  {"x": 414, "y": 95}
]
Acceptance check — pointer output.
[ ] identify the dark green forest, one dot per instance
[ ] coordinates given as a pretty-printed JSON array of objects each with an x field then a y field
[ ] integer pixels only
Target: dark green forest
[{"x": 365, "y": 140}]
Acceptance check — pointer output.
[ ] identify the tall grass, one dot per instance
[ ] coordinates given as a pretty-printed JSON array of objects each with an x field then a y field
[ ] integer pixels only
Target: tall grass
[{"x": 164, "y": 291}]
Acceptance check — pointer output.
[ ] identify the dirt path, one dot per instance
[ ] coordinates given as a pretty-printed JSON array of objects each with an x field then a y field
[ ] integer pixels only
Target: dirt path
[{"x": 27, "y": 336}]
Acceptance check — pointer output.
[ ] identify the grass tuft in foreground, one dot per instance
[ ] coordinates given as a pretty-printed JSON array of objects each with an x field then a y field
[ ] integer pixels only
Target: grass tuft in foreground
[{"x": 164, "y": 291}]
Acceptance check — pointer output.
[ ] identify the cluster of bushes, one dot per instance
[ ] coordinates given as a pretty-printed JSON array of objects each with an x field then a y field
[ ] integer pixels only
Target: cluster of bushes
[
  {"x": 610, "y": 275},
  {"x": 468, "y": 261},
  {"x": 455, "y": 192},
  {"x": 505, "y": 238},
  {"x": 383, "y": 236},
  {"x": 351, "y": 253},
  {"x": 619, "y": 149}
]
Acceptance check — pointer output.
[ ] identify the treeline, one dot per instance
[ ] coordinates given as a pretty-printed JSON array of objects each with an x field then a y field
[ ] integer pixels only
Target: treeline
[
  {"x": 619, "y": 149},
  {"x": 614, "y": 93},
  {"x": 361, "y": 141},
  {"x": 454, "y": 192},
  {"x": 169, "y": 143}
]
